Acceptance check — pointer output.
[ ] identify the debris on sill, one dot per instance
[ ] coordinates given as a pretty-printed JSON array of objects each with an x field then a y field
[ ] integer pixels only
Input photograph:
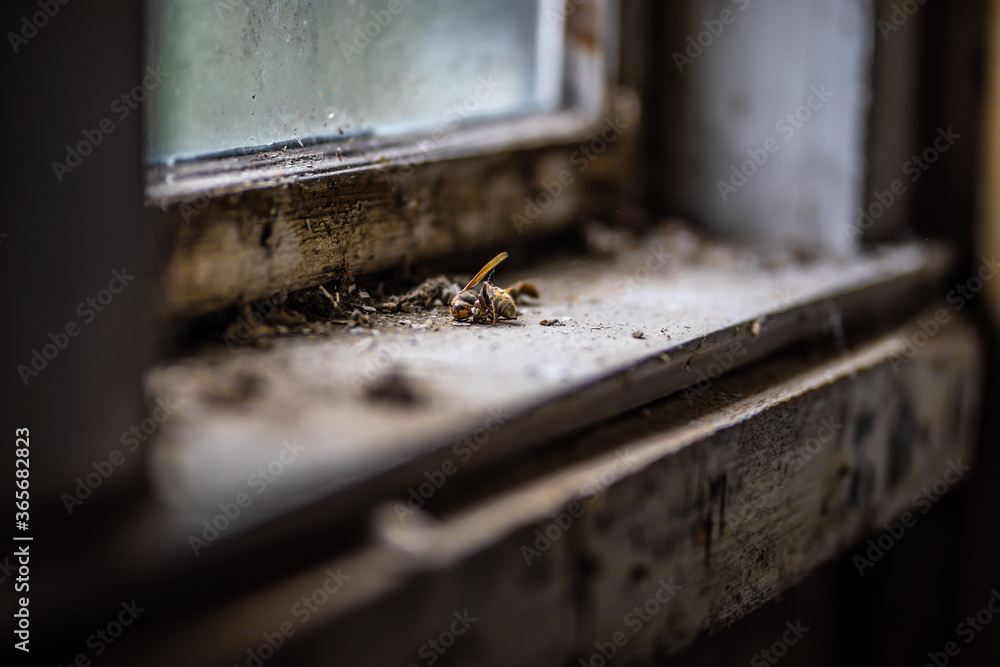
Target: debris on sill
[
  {"x": 685, "y": 244},
  {"x": 355, "y": 319},
  {"x": 323, "y": 310},
  {"x": 427, "y": 295}
]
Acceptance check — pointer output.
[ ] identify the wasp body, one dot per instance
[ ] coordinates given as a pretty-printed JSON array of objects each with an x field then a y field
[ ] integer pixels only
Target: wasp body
[
  {"x": 496, "y": 302},
  {"x": 463, "y": 304},
  {"x": 490, "y": 303}
]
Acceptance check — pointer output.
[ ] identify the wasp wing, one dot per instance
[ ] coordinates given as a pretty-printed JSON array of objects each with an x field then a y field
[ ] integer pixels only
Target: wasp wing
[{"x": 486, "y": 269}]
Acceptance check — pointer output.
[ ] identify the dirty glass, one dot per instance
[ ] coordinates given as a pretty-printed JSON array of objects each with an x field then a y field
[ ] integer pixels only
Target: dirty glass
[{"x": 240, "y": 75}]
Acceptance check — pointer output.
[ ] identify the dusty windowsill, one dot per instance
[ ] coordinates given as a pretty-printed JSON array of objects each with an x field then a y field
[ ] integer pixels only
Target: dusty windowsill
[
  {"x": 727, "y": 500},
  {"x": 701, "y": 312}
]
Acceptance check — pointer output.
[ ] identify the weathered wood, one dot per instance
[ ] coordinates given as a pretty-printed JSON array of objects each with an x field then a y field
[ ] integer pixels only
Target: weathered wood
[
  {"x": 298, "y": 231},
  {"x": 892, "y": 137},
  {"x": 590, "y": 61},
  {"x": 245, "y": 227},
  {"x": 718, "y": 503},
  {"x": 539, "y": 382},
  {"x": 234, "y": 411}
]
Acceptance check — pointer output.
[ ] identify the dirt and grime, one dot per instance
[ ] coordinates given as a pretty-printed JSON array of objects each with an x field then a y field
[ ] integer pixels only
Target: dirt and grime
[
  {"x": 374, "y": 303},
  {"x": 367, "y": 395}
]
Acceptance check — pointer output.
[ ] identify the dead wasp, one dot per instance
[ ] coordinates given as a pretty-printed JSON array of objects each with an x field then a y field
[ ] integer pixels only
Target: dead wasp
[{"x": 491, "y": 302}]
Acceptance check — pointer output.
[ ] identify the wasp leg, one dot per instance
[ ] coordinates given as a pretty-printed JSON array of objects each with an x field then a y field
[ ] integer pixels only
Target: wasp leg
[{"x": 486, "y": 304}]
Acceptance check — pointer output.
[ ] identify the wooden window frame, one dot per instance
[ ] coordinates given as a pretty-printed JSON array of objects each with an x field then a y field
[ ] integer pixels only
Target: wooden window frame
[{"x": 244, "y": 227}]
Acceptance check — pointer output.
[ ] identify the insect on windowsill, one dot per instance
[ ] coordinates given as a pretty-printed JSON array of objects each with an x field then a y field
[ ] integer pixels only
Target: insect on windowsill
[{"x": 491, "y": 302}]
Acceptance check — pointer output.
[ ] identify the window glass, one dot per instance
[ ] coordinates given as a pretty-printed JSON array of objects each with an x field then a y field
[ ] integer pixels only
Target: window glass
[{"x": 247, "y": 74}]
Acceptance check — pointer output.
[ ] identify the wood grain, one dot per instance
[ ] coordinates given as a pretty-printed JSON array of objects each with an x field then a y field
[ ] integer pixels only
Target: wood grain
[
  {"x": 243, "y": 228},
  {"x": 723, "y": 502},
  {"x": 237, "y": 408}
]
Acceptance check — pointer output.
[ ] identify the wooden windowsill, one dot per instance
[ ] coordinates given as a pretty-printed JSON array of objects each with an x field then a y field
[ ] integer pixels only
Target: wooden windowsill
[
  {"x": 698, "y": 318},
  {"x": 722, "y": 502},
  {"x": 714, "y": 430}
]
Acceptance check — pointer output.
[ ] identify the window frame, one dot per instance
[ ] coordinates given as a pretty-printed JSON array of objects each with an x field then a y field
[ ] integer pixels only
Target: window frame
[{"x": 236, "y": 210}]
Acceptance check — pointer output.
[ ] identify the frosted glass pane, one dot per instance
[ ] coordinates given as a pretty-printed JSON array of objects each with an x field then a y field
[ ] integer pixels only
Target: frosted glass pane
[{"x": 247, "y": 74}]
